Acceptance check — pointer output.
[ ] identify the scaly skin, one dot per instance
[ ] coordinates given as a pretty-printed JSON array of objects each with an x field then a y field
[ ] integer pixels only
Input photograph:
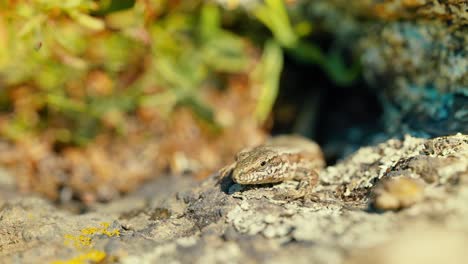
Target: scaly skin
[{"x": 280, "y": 159}]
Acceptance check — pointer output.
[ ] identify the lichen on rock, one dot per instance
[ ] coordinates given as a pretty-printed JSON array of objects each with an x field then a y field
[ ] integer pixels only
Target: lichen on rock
[{"x": 214, "y": 222}]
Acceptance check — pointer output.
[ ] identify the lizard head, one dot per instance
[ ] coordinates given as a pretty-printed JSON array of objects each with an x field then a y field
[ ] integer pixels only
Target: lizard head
[{"x": 255, "y": 166}]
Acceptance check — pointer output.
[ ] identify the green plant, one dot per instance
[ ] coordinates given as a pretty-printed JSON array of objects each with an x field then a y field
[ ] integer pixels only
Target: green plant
[
  {"x": 78, "y": 67},
  {"x": 273, "y": 14}
]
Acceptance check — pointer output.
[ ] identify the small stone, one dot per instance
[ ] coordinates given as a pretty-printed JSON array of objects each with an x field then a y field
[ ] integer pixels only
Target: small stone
[
  {"x": 245, "y": 205},
  {"x": 386, "y": 201},
  {"x": 269, "y": 232},
  {"x": 397, "y": 193},
  {"x": 270, "y": 219}
]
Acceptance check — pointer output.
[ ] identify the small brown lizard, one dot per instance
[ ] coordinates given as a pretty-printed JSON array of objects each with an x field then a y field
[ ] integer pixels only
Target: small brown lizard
[{"x": 280, "y": 159}]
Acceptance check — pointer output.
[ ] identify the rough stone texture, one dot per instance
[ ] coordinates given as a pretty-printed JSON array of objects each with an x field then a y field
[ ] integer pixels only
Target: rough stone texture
[
  {"x": 217, "y": 221},
  {"x": 414, "y": 53},
  {"x": 447, "y": 10}
]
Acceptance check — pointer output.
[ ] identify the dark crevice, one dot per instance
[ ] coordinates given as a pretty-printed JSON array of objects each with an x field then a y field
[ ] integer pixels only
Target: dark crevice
[{"x": 340, "y": 119}]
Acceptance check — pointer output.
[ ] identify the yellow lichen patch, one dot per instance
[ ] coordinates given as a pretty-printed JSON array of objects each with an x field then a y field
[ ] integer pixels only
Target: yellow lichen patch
[
  {"x": 78, "y": 242},
  {"x": 84, "y": 243},
  {"x": 84, "y": 239},
  {"x": 93, "y": 256},
  {"x": 103, "y": 230}
]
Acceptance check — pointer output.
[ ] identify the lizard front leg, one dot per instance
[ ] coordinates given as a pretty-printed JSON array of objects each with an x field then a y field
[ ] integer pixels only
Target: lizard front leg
[{"x": 307, "y": 179}]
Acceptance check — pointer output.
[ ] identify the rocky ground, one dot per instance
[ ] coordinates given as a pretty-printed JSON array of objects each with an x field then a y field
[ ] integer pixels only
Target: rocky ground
[{"x": 402, "y": 201}]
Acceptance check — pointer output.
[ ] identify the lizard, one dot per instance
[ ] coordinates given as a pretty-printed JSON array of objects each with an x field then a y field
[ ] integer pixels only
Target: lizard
[{"x": 281, "y": 158}]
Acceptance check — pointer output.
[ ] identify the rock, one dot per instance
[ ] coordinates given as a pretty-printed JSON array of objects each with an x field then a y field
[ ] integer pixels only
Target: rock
[
  {"x": 207, "y": 224},
  {"x": 397, "y": 193},
  {"x": 421, "y": 243},
  {"x": 413, "y": 54}
]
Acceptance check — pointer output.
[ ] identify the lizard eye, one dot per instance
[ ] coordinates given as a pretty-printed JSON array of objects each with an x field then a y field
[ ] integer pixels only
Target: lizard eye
[{"x": 263, "y": 163}]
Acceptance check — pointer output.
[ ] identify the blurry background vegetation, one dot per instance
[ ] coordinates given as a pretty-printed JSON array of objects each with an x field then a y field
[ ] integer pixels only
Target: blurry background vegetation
[
  {"x": 82, "y": 65},
  {"x": 106, "y": 72}
]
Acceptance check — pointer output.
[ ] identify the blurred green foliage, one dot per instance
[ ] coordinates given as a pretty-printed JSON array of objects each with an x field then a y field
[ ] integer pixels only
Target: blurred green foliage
[
  {"x": 268, "y": 75},
  {"x": 273, "y": 14},
  {"x": 77, "y": 66}
]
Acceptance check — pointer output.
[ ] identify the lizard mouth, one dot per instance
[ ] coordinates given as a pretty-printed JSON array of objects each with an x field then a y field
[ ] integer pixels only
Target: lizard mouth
[
  {"x": 239, "y": 177},
  {"x": 236, "y": 176}
]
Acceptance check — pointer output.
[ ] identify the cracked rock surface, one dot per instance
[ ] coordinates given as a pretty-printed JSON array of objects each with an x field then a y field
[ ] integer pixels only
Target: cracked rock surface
[
  {"x": 217, "y": 221},
  {"x": 414, "y": 56}
]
